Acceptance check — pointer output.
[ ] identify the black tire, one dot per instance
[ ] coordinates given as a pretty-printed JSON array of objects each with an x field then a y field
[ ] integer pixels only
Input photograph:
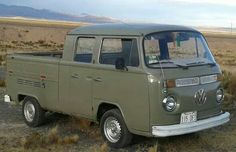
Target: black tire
[
  {"x": 38, "y": 117},
  {"x": 125, "y": 137}
]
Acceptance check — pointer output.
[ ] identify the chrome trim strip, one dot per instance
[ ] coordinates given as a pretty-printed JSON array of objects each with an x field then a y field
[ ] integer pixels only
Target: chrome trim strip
[
  {"x": 195, "y": 80},
  {"x": 208, "y": 79},
  {"x": 187, "y": 82}
]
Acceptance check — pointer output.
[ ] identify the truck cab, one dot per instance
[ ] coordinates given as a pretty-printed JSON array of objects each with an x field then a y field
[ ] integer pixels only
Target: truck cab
[{"x": 145, "y": 79}]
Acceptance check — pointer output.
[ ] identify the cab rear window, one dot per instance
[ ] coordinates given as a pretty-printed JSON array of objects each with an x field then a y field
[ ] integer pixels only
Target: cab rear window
[{"x": 84, "y": 50}]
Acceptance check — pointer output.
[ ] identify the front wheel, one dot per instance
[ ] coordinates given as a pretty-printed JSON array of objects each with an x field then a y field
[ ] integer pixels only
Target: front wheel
[
  {"x": 114, "y": 129},
  {"x": 32, "y": 112}
]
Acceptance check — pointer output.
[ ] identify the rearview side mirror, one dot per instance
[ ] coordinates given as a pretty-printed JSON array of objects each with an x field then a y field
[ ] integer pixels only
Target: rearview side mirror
[{"x": 120, "y": 64}]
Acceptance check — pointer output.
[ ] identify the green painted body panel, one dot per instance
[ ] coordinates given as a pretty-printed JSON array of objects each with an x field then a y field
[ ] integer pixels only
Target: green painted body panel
[
  {"x": 128, "y": 90},
  {"x": 62, "y": 85},
  {"x": 184, "y": 95},
  {"x": 26, "y": 79},
  {"x": 78, "y": 82}
]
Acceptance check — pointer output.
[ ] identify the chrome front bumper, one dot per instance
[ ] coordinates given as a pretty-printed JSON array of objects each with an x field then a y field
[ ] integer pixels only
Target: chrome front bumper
[{"x": 179, "y": 129}]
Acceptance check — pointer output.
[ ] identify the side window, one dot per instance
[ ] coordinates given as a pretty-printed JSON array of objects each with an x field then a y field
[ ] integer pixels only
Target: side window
[
  {"x": 152, "y": 50},
  {"x": 119, "y": 48},
  {"x": 84, "y": 50}
]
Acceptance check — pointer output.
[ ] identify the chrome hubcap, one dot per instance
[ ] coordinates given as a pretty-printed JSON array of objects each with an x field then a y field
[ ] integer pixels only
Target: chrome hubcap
[
  {"x": 112, "y": 129},
  {"x": 29, "y": 111}
]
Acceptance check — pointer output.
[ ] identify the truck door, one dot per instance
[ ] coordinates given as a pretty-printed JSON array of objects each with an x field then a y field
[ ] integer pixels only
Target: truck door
[
  {"x": 76, "y": 80},
  {"x": 125, "y": 88}
]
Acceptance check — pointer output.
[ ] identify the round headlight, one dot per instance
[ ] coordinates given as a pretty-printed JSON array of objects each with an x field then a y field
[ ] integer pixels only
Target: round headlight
[
  {"x": 219, "y": 95},
  {"x": 169, "y": 104}
]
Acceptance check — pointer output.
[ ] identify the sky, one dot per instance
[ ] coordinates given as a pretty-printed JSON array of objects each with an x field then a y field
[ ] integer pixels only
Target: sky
[{"x": 219, "y": 13}]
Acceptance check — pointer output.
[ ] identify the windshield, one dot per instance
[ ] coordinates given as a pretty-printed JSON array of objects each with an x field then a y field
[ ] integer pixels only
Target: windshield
[{"x": 176, "y": 48}]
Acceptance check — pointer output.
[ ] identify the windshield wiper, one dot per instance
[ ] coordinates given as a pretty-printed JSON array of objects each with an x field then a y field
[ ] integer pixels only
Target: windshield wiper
[
  {"x": 161, "y": 62},
  {"x": 164, "y": 62},
  {"x": 211, "y": 63},
  {"x": 195, "y": 63},
  {"x": 201, "y": 62}
]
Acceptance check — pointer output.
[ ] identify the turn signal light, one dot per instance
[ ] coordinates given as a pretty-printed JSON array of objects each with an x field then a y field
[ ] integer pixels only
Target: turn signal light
[{"x": 170, "y": 83}]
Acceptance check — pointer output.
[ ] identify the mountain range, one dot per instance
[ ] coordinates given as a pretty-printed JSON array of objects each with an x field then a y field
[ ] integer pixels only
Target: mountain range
[{"x": 29, "y": 12}]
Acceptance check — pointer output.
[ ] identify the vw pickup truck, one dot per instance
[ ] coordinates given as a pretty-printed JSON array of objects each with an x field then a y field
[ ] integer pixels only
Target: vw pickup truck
[{"x": 144, "y": 79}]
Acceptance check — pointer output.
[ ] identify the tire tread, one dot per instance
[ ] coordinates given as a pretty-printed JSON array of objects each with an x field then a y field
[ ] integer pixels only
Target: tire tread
[
  {"x": 39, "y": 117},
  {"x": 126, "y": 136}
]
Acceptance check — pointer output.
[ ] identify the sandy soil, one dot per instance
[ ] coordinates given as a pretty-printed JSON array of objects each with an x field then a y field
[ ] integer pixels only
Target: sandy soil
[
  {"x": 27, "y": 35},
  {"x": 20, "y": 37},
  {"x": 224, "y": 50}
]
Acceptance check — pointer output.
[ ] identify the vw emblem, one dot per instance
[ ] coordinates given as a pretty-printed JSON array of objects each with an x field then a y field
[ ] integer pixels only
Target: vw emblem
[{"x": 200, "y": 97}]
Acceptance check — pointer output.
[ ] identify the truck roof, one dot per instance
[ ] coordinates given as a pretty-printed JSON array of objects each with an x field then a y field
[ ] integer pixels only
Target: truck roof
[{"x": 126, "y": 29}]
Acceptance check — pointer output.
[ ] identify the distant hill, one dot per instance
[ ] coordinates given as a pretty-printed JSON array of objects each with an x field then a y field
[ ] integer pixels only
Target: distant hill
[{"x": 29, "y": 12}]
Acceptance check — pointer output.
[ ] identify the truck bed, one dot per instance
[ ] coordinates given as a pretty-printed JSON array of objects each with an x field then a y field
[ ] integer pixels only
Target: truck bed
[
  {"x": 34, "y": 73},
  {"x": 57, "y": 54}
]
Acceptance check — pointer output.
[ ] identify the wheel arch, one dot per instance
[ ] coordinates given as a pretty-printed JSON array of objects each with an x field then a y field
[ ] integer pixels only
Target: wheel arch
[
  {"x": 105, "y": 106},
  {"x": 21, "y": 96}
]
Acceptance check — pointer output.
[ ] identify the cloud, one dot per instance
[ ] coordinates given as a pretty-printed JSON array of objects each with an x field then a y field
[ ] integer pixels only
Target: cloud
[{"x": 213, "y": 2}]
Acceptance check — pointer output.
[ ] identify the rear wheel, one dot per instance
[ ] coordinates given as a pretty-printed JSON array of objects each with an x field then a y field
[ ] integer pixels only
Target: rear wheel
[
  {"x": 114, "y": 129},
  {"x": 32, "y": 112}
]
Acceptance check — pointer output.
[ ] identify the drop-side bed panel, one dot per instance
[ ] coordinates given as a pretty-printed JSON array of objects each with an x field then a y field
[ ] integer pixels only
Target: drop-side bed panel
[{"x": 36, "y": 76}]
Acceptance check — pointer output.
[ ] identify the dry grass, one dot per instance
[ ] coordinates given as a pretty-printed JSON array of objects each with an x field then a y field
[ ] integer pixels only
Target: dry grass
[
  {"x": 182, "y": 143},
  {"x": 227, "y": 76},
  {"x": 231, "y": 88},
  {"x": 40, "y": 23},
  {"x": 74, "y": 124},
  {"x": 27, "y": 46},
  {"x": 38, "y": 140},
  {"x": 153, "y": 148},
  {"x": 223, "y": 47},
  {"x": 221, "y": 139},
  {"x": 229, "y": 85},
  {"x": 102, "y": 148},
  {"x": 83, "y": 125}
]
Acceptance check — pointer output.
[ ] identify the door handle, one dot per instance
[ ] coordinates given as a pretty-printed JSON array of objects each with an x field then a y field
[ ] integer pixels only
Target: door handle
[
  {"x": 75, "y": 76},
  {"x": 98, "y": 79}
]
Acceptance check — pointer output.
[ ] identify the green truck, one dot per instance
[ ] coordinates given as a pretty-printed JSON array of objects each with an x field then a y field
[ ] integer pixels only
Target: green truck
[{"x": 146, "y": 79}]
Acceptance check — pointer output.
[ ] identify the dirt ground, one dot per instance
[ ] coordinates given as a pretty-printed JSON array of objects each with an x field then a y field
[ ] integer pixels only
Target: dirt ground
[
  {"x": 224, "y": 50},
  {"x": 14, "y": 133},
  {"x": 82, "y": 136}
]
